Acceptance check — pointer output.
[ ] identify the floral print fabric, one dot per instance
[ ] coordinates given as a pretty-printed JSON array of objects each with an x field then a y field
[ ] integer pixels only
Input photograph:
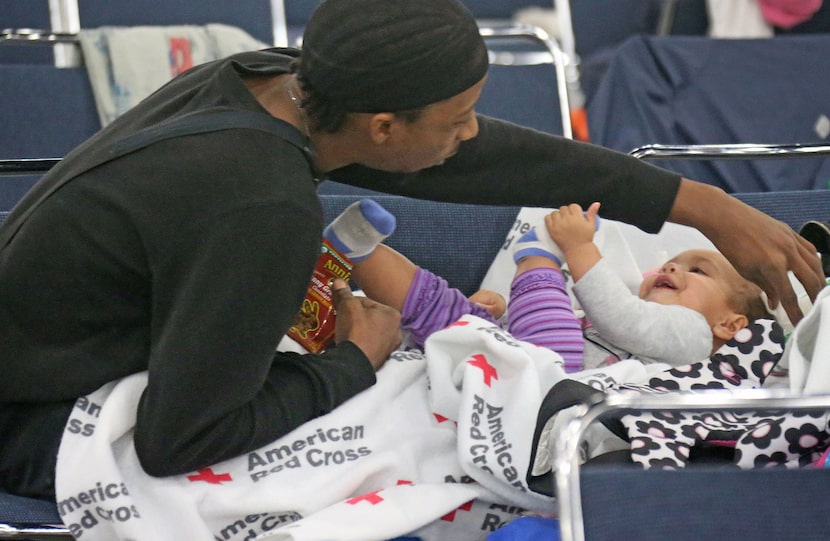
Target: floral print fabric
[{"x": 666, "y": 440}]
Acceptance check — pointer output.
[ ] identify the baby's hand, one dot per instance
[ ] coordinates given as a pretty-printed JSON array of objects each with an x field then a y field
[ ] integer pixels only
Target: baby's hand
[
  {"x": 491, "y": 301},
  {"x": 570, "y": 227}
]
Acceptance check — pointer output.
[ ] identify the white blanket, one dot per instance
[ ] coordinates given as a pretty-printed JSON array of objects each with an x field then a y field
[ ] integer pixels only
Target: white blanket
[
  {"x": 438, "y": 448},
  {"x": 126, "y": 64},
  {"x": 808, "y": 350}
]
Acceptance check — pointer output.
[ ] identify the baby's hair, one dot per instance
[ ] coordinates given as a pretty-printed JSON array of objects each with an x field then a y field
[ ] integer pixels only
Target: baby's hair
[{"x": 748, "y": 301}]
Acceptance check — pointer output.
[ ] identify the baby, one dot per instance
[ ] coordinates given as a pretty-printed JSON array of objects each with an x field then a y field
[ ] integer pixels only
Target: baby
[{"x": 684, "y": 312}]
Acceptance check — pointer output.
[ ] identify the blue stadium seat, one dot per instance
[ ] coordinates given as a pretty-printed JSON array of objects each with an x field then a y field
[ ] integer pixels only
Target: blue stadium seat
[{"x": 46, "y": 111}]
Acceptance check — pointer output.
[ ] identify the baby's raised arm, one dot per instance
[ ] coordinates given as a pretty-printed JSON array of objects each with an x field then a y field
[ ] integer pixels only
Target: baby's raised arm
[{"x": 573, "y": 231}]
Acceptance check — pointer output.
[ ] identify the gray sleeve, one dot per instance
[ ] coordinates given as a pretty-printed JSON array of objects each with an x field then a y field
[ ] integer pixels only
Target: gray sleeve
[{"x": 673, "y": 334}]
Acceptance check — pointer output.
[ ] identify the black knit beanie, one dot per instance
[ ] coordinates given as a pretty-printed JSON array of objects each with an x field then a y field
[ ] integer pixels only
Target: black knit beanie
[{"x": 373, "y": 56}]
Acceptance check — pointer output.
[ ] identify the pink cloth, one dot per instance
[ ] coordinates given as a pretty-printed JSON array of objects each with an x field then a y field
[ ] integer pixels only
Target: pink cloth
[{"x": 788, "y": 13}]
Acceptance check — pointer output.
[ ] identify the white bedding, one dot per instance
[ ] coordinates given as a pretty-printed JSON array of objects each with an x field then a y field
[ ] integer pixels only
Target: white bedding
[{"x": 439, "y": 446}]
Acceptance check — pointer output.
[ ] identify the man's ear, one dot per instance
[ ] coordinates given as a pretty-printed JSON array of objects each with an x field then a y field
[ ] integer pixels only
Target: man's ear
[
  {"x": 380, "y": 127},
  {"x": 729, "y": 326}
]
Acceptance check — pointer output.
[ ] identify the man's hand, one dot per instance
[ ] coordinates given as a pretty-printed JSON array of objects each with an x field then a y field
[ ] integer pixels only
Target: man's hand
[
  {"x": 371, "y": 326},
  {"x": 761, "y": 248}
]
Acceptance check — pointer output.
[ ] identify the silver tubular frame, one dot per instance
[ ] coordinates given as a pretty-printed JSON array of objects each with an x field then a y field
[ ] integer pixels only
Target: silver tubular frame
[
  {"x": 64, "y": 17},
  {"x": 556, "y": 57},
  {"x": 63, "y": 36},
  {"x": 738, "y": 151},
  {"x": 566, "y": 444},
  {"x": 34, "y": 533},
  {"x": 36, "y": 36},
  {"x": 27, "y": 165},
  {"x": 278, "y": 23}
]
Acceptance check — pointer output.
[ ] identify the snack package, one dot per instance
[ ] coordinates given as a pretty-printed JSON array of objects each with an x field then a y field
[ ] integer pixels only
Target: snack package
[{"x": 313, "y": 327}]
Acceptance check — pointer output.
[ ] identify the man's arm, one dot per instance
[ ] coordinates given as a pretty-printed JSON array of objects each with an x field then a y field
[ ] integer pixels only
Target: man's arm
[
  {"x": 510, "y": 165},
  {"x": 227, "y": 291}
]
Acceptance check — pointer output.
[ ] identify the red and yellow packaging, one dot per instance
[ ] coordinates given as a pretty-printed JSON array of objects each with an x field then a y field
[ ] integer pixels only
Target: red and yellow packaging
[{"x": 313, "y": 327}]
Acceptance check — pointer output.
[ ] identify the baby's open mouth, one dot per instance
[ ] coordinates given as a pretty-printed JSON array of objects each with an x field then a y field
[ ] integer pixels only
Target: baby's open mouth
[{"x": 663, "y": 282}]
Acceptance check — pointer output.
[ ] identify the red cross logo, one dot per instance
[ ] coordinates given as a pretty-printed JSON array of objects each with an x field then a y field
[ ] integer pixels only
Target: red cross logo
[
  {"x": 442, "y": 419},
  {"x": 480, "y": 361},
  {"x": 450, "y": 517},
  {"x": 371, "y": 497},
  {"x": 458, "y": 323},
  {"x": 207, "y": 475},
  {"x": 181, "y": 58}
]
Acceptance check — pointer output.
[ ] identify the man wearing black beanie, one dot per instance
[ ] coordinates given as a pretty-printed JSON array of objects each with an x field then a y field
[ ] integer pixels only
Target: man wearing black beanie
[{"x": 181, "y": 246}]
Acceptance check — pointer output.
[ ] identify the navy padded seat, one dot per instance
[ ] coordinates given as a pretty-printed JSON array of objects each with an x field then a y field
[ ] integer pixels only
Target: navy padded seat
[
  {"x": 252, "y": 16},
  {"x": 627, "y": 503},
  {"x": 46, "y": 111}
]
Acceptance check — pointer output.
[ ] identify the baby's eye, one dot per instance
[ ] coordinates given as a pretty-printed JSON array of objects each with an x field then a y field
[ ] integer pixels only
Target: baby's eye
[{"x": 697, "y": 270}]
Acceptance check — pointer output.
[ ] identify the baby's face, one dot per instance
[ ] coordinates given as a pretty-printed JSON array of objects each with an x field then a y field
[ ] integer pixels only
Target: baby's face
[{"x": 702, "y": 280}]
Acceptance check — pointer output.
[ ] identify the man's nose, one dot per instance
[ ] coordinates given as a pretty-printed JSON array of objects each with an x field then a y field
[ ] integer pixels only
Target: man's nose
[{"x": 469, "y": 130}]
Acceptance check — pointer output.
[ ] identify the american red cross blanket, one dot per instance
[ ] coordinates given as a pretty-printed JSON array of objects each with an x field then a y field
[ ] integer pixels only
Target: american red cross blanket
[{"x": 438, "y": 448}]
